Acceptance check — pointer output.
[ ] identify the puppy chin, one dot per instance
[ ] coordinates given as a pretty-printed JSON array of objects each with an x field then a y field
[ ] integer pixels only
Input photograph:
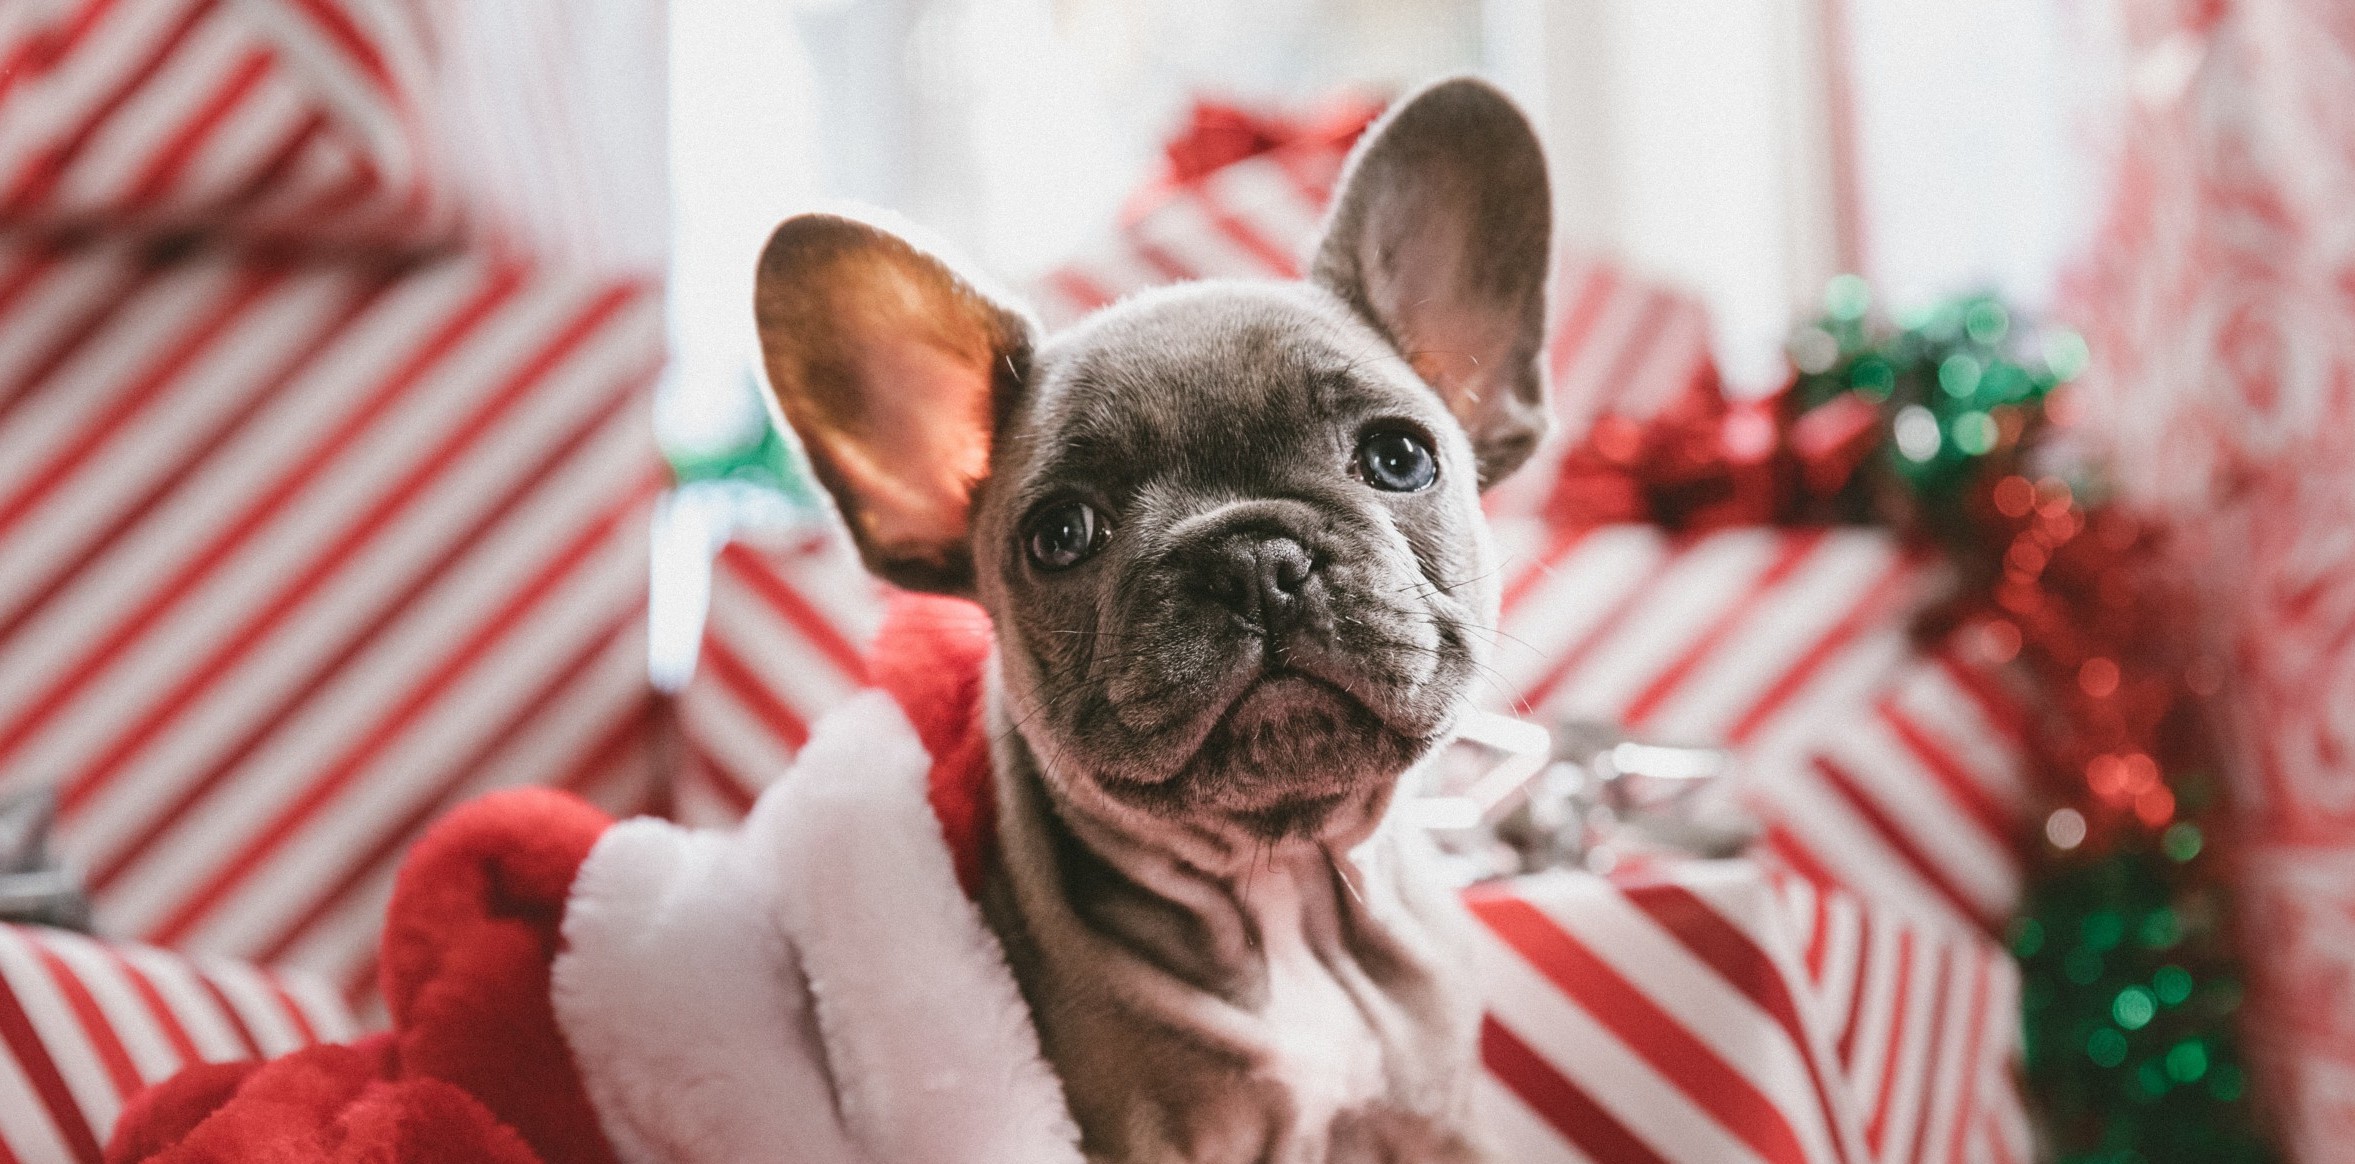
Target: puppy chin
[{"x": 1289, "y": 759}]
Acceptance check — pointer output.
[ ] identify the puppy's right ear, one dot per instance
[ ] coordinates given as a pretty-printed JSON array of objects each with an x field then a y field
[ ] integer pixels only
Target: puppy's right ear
[
  {"x": 894, "y": 370},
  {"x": 1440, "y": 237}
]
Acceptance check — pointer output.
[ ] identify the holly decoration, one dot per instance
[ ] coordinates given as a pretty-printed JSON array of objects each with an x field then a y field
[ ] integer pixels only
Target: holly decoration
[{"x": 2130, "y": 987}]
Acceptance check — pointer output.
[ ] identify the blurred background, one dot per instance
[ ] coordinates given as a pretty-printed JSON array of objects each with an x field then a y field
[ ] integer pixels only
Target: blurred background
[
  {"x": 1954, "y": 472},
  {"x": 1745, "y": 151}
]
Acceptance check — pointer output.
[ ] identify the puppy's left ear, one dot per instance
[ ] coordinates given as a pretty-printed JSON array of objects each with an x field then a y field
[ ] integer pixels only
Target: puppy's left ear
[
  {"x": 1440, "y": 237},
  {"x": 894, "y": 369}
]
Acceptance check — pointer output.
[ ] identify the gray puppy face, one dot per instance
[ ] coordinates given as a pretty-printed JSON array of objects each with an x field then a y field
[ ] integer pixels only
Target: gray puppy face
[
  {"x": 1283, "y": 580},
  {"x": 1230, "y": 533}
]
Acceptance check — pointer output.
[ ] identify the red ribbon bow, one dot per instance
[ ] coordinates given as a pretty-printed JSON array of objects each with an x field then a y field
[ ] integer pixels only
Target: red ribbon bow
[{"x": 1709, "y": 462}]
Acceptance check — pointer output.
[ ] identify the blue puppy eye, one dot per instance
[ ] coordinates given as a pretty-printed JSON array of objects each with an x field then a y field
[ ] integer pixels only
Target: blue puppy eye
[
  {"x": 1064, "y": 534},
  {"x": 1396, "y": 461}
]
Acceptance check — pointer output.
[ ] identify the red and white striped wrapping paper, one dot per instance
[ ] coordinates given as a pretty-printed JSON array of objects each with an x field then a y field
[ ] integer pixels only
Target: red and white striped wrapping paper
[
  {"x": 1875, "y": 766},
  {"x": 289, "y": 119},
  {"x": 84, "y": 1025},
  {"x": 1255, "y": 218},
  {"x": 1701, "y": 1011},
  {"x": 295, "y": 556},
  {"x": 792, "y": 614}
]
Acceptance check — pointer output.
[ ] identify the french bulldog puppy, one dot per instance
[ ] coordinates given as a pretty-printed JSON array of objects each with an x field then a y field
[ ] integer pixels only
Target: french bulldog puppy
[{"x": 1230, "y": 535}]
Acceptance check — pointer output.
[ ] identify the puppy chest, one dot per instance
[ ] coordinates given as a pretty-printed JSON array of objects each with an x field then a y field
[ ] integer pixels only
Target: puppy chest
[{"x": 1323, "y": 1021}]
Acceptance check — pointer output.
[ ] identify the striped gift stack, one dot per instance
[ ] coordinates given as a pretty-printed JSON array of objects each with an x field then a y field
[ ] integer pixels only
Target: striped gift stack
[
  {"x": 297, "y": 121},
  {"x": 1706, "y": 1012},
  {"x": 1896, "y": 773},
  {"x": 1618, "y": 343},
  {"x": 1242, "y": 198},
  {"x": 318, "y": 514}
]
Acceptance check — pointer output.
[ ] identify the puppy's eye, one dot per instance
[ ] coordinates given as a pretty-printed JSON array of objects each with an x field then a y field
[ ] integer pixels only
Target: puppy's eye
[
  {"x": 1396, "y": 461},
  {"x": 1064, "y": 534}
]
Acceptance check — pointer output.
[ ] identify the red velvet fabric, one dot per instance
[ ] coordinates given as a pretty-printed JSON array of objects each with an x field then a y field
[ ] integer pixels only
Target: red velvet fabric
[
  {"x": 930, "y": 656},
  {"x": 321, "y": 1105},
  {"x": 475, "y": 1067},
  {"x": 468, "y": 943}
]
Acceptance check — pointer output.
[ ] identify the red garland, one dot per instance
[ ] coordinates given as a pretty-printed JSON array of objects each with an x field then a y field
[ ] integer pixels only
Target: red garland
[
  {"x": 2077, "y": 596},
  {"x": 1706, "y": 462}
]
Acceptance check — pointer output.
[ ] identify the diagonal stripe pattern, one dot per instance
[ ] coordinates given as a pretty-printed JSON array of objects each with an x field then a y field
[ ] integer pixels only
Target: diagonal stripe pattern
[
  {"x": 792, "y": 615},
  {"x": 294, "y": 555},
  {"x": 1896, "y": 772},
  {"x": 84, "y": 1025},
  {"x": 1710, "y": 1011},
  {"x": 267, "y": 119}
]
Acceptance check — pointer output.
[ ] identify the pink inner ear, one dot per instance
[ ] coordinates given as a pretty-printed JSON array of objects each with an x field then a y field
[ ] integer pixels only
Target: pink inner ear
[
  {"x": 922, "y": 443},
  {"x": 1455, "y": 339}
]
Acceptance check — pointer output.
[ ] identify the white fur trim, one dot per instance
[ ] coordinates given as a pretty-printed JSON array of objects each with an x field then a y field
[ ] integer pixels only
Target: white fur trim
[{"x": 811, "y": 987}]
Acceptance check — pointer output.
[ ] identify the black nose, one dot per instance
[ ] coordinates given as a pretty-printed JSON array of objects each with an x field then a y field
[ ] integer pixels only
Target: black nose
[{"x": 1260, "y": 577}]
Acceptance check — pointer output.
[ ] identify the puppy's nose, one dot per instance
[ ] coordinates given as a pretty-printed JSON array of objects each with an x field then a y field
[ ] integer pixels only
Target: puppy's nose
[{"x": 1261, "y": 578}]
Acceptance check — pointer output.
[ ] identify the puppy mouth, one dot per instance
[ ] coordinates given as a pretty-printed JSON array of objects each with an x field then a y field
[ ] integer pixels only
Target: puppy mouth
[
  {"x": 1280, "y": 690},
  {"x": 1287, "y": 752}
]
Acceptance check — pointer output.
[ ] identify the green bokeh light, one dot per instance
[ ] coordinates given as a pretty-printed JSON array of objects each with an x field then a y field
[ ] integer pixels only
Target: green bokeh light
[
  {"x": 1959, "y": 375},
  {"x": 2182, "y": 840},
  {"x": 2065, "y": 353},
  {"x": 2106, "y": 1047},
  {"x": 2027, "y": 937},
  {"x": 2172, "y": 984},
  {"x": 1873, "y": 378},
  {"x": 2187, "y": 1061},
  {"x": 1986, "y": 322},
  {"x": 2004, "y": 383},
  {"x": 2134, "y": 1008},
  {"x": 2103, "y": 930},
  {"x": 1975, "y": 433}
]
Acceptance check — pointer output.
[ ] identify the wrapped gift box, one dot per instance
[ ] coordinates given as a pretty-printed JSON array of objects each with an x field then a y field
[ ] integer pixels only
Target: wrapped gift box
[
  {"x": 289, "y": 120},
  {"x": 1705, "y": 1010},
  {"x": 302, "y": 553},
  {"x": 1875, "y": 764},
  {"x": 792, "y": 613},
  {"x": 1243, "y": 198},
  {"x": 85, "y": 1024}
]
